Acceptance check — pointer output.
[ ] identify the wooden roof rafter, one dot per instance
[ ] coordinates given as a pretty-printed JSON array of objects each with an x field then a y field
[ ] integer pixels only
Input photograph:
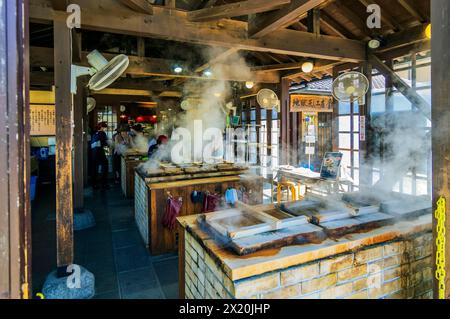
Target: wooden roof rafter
[
  {"x": 355, "y": 19},
  {"x": 263, "y": 24},
  {"x": 141, "y": 6},
  {"x": 335, "y": 26},
  {"x": 412, "y": 10},
  {"x": 104, "y": 15},
  {"x": 235, "y": 9}
]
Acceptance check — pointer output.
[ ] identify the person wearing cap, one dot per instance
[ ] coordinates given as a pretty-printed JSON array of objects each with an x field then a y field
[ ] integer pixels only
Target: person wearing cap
[
  {"x": 98, "y": 142},
  {"x": 122, "y": 142}
]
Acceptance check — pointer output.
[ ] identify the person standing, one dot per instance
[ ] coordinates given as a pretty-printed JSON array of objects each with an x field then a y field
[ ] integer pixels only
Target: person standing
[
  {"x": 122, "y": 142},
  {"x": 98, "y": 143}
]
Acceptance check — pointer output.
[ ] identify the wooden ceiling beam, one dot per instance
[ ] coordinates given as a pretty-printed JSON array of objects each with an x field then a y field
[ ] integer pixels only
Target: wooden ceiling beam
[
  {"x": 278, "y": 67},
  {"x": 319, "y": 67},
  {"x": 412, "y": 10},
  {"x": 235, "y": 9},
  {"x": 155, "y": 67},
  {"x": 47, "y": 79},
  {"x": 265, "y": 23},
  {"x": 141, "y": 6},
  {"x": 134, "y": 92},
  {"x": 414, "y": 35},
  {"x": 104, "y": 15}
]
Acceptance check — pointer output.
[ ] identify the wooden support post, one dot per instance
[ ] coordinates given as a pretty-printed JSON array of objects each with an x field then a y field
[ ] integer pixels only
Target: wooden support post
[
  {"x": 314, "y": 21},
  {"x": 79, "y": 151},
  {"x": 64, "y": 142},
  {"x": 365, "y": 145},
  {"x": 440, "y": 117},
  {"x": 15, "y": 217},
  {"x": 85, "y": 147},
  {"x": 335, "y": 118},
  {"x": 258, "y": 132},
  {"x": 269, "y": 134},
  {"x": 284, "y": 123},
  {"x": 141, "y": 47},
  {"x": 294, "y": 140}
]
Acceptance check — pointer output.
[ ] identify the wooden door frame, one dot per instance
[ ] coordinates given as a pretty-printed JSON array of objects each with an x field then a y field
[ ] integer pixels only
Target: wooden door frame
[{"x": 15, "y": 218}]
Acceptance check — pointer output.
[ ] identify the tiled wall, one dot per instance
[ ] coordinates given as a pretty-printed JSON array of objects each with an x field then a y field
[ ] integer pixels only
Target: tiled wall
[
  {"x": 141, "y": 201},
  {"x": 401, "y": 269}
]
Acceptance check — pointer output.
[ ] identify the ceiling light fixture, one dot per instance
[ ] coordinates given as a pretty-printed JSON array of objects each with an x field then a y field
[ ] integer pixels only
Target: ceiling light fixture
[
  {"x": 178, "y": 69},
  {"x": 374, "y": 44},
  {"x": 249, "y": 84},
  {"x": 307, "y": 67}
]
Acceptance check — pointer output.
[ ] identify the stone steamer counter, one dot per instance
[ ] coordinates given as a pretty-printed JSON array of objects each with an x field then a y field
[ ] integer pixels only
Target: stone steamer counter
[
  {"x": 152, "y": 189},
  {"x": 393, "y": 261},
  {"x": 128, "y": 162}
]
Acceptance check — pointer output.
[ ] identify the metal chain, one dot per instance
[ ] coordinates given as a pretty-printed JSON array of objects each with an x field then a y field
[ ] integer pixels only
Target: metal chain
[{"x": 439, "y": 214}]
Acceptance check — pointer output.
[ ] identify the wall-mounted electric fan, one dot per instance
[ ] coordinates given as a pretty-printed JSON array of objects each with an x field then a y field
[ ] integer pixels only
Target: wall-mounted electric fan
[
  {"x": 350, "y": 86},
  {"x": 103, "y": 72},
  {"x": 91, "y": 103},
  {"x": 268, "y": 99}
]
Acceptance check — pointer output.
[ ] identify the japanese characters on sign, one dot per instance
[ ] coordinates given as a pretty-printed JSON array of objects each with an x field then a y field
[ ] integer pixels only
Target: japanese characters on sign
[
  {"x": 311, "y": 103},
  {"x": 42, "y": 120}
]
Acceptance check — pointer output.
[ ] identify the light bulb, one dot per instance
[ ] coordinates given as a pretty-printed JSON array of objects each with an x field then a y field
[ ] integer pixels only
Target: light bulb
[
  {"x": 207, "y": 73},
  {"x": 178, "y": 69},
  {"x": 307, "y": 67},
  {"x": 249, "y": 84}
]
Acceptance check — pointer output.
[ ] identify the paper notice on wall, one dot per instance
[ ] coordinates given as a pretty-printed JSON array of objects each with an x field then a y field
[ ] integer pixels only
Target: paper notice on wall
[
  {"x": 309, "y": 150},
  {"x": 42, "y": 120},
  {"x": 362, "y": 128},
  {"x": 310, "y": 139}
]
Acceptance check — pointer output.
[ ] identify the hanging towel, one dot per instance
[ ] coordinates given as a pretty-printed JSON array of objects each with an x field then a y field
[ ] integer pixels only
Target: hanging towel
[
  {"x": 211, "y": 203},
  {"x": 172, "y": 211},
  {"x": 231, "y": 196}
]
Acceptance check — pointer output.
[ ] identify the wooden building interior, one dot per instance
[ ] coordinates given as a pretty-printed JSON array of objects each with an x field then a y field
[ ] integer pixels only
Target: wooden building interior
[{"x": 225, "y": 51}]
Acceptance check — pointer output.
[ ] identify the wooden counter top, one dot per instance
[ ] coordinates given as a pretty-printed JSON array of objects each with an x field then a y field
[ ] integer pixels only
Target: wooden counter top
[{"x": 240, "y": 267}]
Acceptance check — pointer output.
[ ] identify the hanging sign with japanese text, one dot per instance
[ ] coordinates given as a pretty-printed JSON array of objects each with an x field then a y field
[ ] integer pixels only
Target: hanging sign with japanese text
[{"x": 311, "y": 103}]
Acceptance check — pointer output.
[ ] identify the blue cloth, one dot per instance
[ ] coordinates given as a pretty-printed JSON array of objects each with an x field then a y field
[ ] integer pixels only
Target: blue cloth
[{"x": 231, "y": 196}]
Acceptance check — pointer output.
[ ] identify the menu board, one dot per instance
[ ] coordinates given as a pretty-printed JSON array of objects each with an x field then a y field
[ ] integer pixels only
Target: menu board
[
  {"x": 331, "y": 165},
  {"x": 42, "y": 120},
  {"x": 311, "y": 103}
]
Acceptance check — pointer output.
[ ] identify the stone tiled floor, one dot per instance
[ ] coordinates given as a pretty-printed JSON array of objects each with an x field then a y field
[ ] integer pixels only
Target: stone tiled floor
[{"x": 113, "y": 250}]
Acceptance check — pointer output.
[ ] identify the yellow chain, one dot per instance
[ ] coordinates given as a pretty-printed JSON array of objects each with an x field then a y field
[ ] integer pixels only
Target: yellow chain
[{"x": 439, "y": 214}]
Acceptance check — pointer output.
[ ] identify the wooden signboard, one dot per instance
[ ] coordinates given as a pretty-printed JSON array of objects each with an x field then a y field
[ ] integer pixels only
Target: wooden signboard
[
  {"x": 42, "y": 120},
  {"x": 311, "y": 103}
]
